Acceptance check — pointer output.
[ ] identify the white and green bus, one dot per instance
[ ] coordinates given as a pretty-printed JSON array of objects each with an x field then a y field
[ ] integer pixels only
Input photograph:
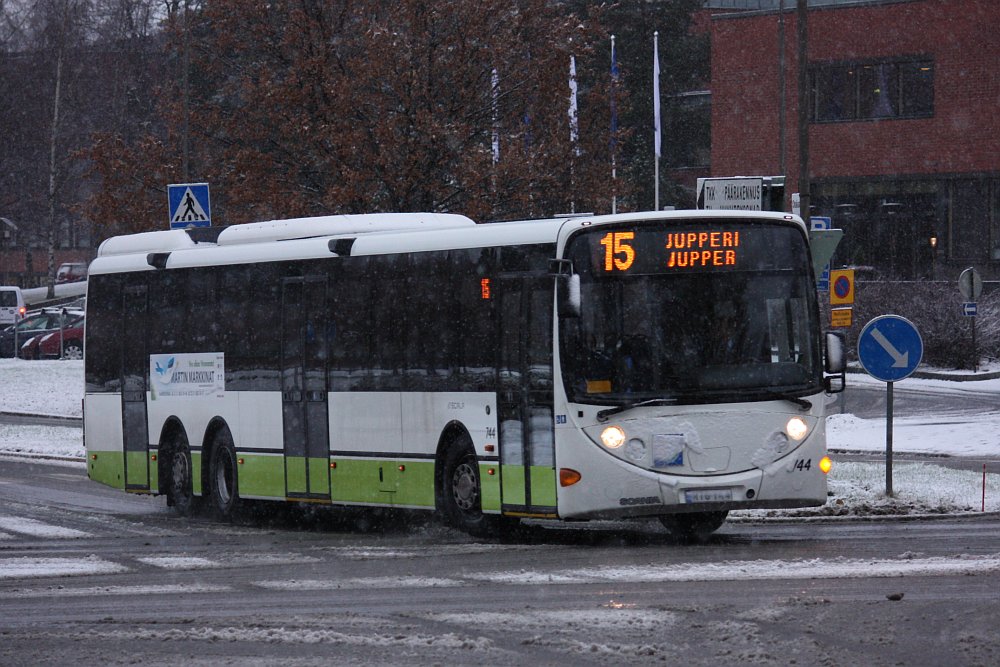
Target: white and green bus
[{"x": 642, "y": 365}]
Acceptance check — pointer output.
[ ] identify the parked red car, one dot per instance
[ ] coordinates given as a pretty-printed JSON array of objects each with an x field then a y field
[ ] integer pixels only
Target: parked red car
[{"x": 46, "y": 346}]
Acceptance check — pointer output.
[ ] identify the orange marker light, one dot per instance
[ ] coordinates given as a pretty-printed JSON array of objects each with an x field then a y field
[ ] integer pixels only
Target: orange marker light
[
  {"x": 825, "y": 464},
  {"x": 240, "y": 461},
  {"x": 333, "y": 465},
  {"x": 568, "y": 477},
  {"x": 484, "y": 286},
  {"x": 402, "y": 468},
  {"x": 152, "y": 457},
  {"x": 491, "y": 471}
]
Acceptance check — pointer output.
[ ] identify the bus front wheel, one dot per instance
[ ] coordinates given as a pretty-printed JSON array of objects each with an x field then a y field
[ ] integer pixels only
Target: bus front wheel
[
  {"x": 462, "y": 492},
  {"x": 694, "y": 526},
  {"x": 223, "y": 477}
]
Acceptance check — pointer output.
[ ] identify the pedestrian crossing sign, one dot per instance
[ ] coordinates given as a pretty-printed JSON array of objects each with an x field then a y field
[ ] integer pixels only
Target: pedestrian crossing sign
[{"x": 189, "y": 205}]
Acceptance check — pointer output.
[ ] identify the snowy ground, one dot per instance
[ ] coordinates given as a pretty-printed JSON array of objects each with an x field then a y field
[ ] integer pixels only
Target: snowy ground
[{"x": 56, "y": 388}]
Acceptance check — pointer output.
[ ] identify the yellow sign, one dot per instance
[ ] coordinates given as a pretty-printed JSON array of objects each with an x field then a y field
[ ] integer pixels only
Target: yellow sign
[
  {"x": 841, "y": 317},
  {"x": 842, "y": 287}
]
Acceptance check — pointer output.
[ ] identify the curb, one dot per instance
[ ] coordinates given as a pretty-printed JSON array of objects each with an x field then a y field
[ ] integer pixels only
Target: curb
[
  {"x": 43, "y": 420},
  {"x": 931, "y": 375}
]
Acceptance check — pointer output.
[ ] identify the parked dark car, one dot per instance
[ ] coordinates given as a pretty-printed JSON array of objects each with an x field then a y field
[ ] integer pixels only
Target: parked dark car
[{"x": 32, "y": 328}]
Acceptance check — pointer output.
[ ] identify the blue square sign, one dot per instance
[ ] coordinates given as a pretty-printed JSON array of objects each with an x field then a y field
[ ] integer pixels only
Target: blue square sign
[{"x": 189, "y": 205}]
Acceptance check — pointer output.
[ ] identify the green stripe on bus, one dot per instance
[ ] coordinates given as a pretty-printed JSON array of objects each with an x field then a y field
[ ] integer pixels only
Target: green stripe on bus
[
  {"x": 513, "y": 484},
  {"x": 107, "y": 468},
  {"x": 319, "y": 475},
  {"x": 357, "y": 481},
  {"x": 136, "y": 468},
  {"x": 295, "y": 474},
  {"x": 262, "y": 476},
  {"x": 196, "y": 474},
  {"x": 543, "y": 486},
  {"x": 490, "y": 486}
]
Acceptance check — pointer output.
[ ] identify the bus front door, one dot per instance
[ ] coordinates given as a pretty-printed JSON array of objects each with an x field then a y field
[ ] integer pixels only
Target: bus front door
[
  {"x": 134, "y": 379},
  {"x": 527, "y": 451},
  {"x": 304, "y": 388}
]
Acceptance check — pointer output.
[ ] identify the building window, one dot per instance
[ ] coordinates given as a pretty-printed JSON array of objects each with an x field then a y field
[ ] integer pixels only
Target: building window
[{"x": 872, "y": 90}]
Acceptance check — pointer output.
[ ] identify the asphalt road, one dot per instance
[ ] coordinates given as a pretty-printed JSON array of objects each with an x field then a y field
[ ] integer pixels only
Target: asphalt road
[{"x": 322, "y": 587}]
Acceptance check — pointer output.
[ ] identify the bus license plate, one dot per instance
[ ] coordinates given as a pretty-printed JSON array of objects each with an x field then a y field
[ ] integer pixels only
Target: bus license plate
[{"x": 708, "y": 495}]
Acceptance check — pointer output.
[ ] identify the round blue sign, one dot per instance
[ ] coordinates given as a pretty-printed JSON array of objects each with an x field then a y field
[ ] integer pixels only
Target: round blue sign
[{"x": 890, "y": 348}]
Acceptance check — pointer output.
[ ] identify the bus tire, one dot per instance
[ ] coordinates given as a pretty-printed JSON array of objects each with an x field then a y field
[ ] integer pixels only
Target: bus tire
[
  {"x": 694, "y": 526},
  {"x": 223, "y": 478},
  {"x": 462, "y": 491},
  {"x": 179, "y": 482}
]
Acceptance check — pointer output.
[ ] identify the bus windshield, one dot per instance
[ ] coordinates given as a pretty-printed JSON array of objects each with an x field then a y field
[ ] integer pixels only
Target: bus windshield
[{"x": 718, "y": 311}]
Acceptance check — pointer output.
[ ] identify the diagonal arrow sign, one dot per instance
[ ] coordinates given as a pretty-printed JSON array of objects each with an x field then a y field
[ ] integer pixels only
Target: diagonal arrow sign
[{"x": 899, "y": 359}]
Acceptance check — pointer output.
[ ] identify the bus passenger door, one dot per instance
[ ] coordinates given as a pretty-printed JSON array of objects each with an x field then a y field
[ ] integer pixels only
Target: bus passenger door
[
  {"x": 527, "y": 444},
  {"x": 134, "y": 382},
  {"x": 305, "y": 418}
]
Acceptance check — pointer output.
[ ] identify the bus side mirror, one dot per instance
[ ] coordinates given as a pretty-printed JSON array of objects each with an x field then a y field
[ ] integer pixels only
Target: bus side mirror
[
  {"x": 836, "y": 362},
  {"x": 568, "y": 295}
]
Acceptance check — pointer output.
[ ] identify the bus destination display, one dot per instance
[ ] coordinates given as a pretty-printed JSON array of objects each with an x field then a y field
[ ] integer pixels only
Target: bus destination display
[{"x": 655, "y": 252}]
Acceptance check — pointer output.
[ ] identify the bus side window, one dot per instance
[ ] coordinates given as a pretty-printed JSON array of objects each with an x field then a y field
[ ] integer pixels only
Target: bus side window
[
  {"x": 103, "y": 333},
  {"x": 350, "y": 307}
]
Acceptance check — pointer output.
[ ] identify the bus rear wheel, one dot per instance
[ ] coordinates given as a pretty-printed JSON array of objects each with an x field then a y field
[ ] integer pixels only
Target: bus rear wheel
[
  {"x": 180, "y": 491},
  {"x": 695, "y": 526},
  {"x": 223, "y": 477}
]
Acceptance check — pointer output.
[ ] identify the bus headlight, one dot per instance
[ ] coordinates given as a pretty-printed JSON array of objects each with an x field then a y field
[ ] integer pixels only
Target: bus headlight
[
  {"x": 796, "y": 428},
  {"x": 613, "y": 437}
]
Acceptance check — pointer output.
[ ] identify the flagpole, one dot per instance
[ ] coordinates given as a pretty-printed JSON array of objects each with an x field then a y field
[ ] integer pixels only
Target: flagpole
[
  {"x": 656, "y": 118},
  {"x": 494, "y": 112},
  {"x": 614, "y": 130},
  {"x": 574, "y": 132}
]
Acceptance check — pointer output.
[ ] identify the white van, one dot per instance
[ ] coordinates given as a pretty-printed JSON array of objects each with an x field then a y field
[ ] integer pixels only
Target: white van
[{"x": 11, "y": 305}]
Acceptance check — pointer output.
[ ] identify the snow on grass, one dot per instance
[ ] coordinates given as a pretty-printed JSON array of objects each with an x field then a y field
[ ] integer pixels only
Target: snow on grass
[
  {"x": 41, "y": 387},
  {"x": 30, "y": 440},
  {"x": 927, "y": 434}
]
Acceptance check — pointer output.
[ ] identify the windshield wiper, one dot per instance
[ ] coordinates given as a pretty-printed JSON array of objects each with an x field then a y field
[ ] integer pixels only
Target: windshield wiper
[
  {"x": 603, "y": 415},
  {"x": 797, "y": 400}
]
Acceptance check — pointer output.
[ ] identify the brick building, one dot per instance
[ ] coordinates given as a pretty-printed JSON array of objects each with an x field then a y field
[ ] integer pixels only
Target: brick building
[{"x": 904, "y": 122}]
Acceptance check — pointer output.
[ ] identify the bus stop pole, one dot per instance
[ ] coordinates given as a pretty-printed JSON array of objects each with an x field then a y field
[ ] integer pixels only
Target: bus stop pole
[{"x": 888, "y": 440}]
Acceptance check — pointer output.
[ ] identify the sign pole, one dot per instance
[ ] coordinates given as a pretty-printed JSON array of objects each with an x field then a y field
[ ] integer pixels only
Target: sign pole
[
  {"x": 890, "y": 349},
  {"x": 975, "y": 353},
  {"x": 888, "y": 440}
]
